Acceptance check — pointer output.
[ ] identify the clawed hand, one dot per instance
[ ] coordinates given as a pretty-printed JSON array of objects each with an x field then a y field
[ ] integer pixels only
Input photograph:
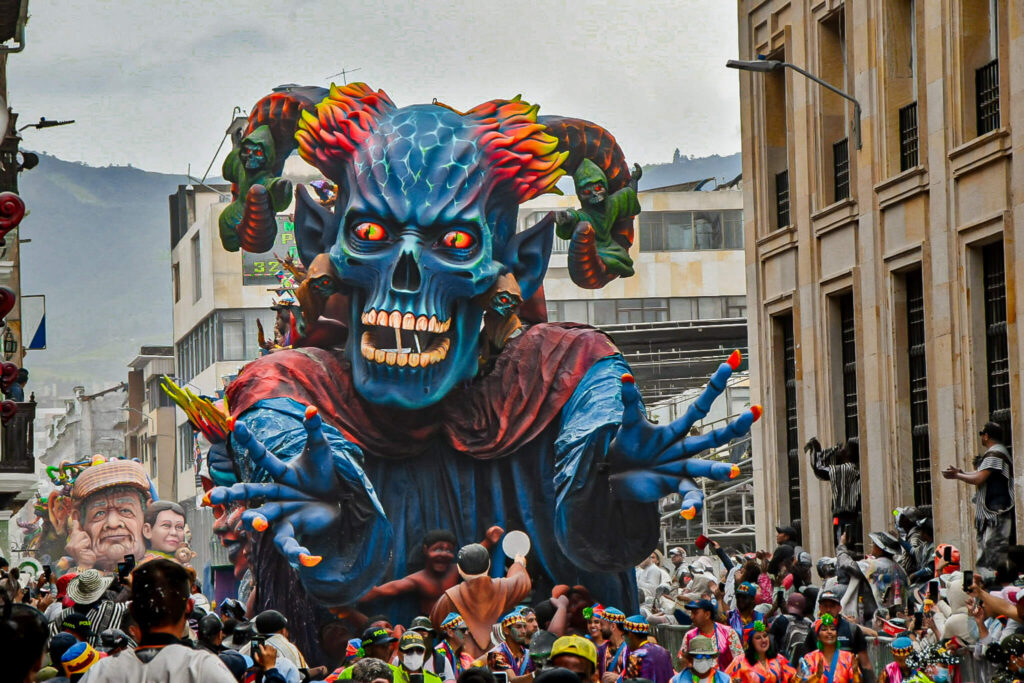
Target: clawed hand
[{"x": 650, "y": 461}]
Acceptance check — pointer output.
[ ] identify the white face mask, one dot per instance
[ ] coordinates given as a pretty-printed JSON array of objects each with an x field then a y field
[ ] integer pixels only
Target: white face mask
[
  {"x": 702, "y": 666},
  {"x": 413, "y": 661}
]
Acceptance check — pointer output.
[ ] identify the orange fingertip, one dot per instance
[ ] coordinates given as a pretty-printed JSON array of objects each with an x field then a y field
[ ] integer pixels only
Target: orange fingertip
[
  {"x": 734, "y": 471},
  {"x": 735, "y": 358},
  {"x": 758, "y": 411},
  {"x": 688, "y": 513},
  {"x": 231, "y": 423},
  {"x": 309, "y": 560},
  {"x": 260, "y": 524},
  {"x": 628, "y": 378},
  {"x": 206, "y": 500},
  {"x": 311, "y": 411}
]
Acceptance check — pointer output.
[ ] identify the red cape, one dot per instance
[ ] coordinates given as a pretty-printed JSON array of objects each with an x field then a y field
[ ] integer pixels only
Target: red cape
[{"x": 490, "y": 417}]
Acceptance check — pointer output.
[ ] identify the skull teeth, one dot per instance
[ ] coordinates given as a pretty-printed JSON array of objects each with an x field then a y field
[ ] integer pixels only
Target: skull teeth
[
  {"x": 405, "y": 321},
  {"x": 435, "y": 353}
]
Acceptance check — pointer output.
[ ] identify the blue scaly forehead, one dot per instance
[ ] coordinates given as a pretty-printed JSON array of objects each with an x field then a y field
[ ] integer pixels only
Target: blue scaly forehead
[{"x": 422, "y": 165}]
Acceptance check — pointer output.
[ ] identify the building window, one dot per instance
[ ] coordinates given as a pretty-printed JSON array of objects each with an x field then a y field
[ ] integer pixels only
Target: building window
[
  {"x": 841, "y": 169},
  {"x": 176, "y": 281},
  {"x": 782, "y": 199},
  {"x": 649, "y": 310},
  {"x": 691, "y": 230},
  {"x": 156, "y": 397},
  {"x": 795, "y": 488},
  {"x": 186, "y": 446},
  {"x": 986, "y": 81},
  {"x": 197, "y": 269},
  {"x": 918, "y": 376},
  {"x": 232, "y": 336},
  {"x": 848, "y": 358},
  {"x": 997, "y": 353},
  {"x": 908, "y": 136}
]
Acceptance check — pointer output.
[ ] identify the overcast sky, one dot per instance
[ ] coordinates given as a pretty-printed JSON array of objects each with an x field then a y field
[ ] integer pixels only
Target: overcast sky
[{"x": 153, "y": 82}]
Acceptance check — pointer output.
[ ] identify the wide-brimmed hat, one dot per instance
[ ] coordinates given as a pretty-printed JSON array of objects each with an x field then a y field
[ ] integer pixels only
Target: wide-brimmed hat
[
  {"x": 108, "y": 475},
  {"x": 886, "y": 542},
  {"x": 88, "y": 587}
]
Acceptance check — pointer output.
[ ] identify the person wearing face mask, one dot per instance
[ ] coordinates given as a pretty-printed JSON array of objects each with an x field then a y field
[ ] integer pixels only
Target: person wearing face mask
[
  {"x": 937, "y": 664},
  {"x": 1013, "y": 666},
  {"x": 412, "y": 653},
  {"x": 701, "y": 663}
]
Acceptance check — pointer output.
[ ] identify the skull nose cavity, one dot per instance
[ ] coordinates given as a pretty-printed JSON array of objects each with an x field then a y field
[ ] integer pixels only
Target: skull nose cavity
[{"x": 406, "y": 275}]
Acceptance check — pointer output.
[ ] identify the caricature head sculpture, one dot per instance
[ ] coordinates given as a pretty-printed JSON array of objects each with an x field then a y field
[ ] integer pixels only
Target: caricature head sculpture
[
  {"x": 164, "y": 527},
  {"x": 425, "y": 221},
  {"x": 110, "y": 504}
]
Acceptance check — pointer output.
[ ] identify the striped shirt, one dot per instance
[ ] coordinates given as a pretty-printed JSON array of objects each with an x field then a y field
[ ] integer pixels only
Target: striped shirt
[
  {"x": 843, "y": 478},
  {"x": 995, "y": 458}
]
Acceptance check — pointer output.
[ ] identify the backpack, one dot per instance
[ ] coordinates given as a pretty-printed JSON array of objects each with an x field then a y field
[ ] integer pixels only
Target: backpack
[{"x": 794, "y": 646}]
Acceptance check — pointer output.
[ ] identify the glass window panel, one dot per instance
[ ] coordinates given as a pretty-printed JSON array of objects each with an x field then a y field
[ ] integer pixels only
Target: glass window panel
[
  {"x": 554, "y": 311},
  {"x": 602, "y": 313},
  {"x": 232, "y": 334},
  {"x": 733, "y": 219},
  {"x": 681, "y": 308},
  {"x": 709, "y": 307},
  {"x": 678, "y": 230},
  {"x": 707, "y": 229},
  {"x": 575, "y": 311},
  {"x": 651, "y": 231}
]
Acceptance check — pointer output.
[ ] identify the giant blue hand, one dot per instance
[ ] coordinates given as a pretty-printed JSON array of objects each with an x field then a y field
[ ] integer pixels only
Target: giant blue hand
[
  {"x": 650, "y": 461},
  {"x": 321, "y": 515}
]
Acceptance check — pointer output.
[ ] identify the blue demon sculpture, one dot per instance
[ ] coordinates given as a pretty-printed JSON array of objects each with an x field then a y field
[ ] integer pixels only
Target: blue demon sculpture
[{"x": 432, "y": 415}]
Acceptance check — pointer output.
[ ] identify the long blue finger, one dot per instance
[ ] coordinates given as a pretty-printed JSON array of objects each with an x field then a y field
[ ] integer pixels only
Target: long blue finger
[
  {"x": 318, "y": 450},
  {"x": 269, "y": 513},
  {"x": 719, "y": 471},
  {"x": 259, "y": 453},
  {"x": 632, "y": 406},
  {"x": 284, "y": 539},
  {"x": 641, "y": 486},
  {"x": 719, "y": 437},
  {"x": 244, "y": 491},
  {"x": 698, "y": 410},
  {"x": 693, "y": 498}
]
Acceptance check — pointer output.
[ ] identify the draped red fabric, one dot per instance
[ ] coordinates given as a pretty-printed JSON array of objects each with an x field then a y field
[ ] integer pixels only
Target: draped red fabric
[{"x": 490, "y": 417}]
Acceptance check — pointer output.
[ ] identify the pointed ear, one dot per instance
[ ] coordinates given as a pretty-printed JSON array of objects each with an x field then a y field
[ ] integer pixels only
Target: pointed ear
[
  {"x": 316, "y": 228},
  {"x": 527, "y": 254}
]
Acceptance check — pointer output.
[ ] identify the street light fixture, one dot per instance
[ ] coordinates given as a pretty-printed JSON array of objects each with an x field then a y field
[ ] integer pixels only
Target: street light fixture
[{"x": 766, "y": 65}]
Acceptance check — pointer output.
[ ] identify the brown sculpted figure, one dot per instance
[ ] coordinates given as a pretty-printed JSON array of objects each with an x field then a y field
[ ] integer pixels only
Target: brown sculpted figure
[
  {"x": 439, "y": 574},
  {"x": 480, "y": 599},
  {"x": 109, "y": 512}
]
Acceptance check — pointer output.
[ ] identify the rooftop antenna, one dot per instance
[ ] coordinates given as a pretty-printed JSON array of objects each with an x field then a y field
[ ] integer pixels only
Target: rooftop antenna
[{"x": 344, "y": 74}]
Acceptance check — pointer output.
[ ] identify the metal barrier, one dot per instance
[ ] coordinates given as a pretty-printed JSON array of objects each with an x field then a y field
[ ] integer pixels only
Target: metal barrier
[{"x": 670, "y": 637}]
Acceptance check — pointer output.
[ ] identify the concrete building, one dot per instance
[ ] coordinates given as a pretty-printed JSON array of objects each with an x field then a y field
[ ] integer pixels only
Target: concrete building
[
  {"x": 881, "y": 279},
  {"x": 149, "y": 418},
  {"x": 90, "y": 424}
]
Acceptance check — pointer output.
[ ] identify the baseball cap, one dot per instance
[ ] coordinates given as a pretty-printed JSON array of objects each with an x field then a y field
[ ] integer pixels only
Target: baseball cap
[
  {"x": 77, "y": 623},
  {"x": 236, "y": 662},
  {"x": 378, "y": 636},
  {"x": 701, "y": 604},
  {"x": 788, "y": 530},
  {"x": 746, "y": 588},
  {"x": 702, "y": 645},
  {"x": 796, "y": 604},
  {"x": 270, "y": 621},
  {"x": 677, "y": 551},
  {"x": 576, "y": 646},
  {"x": 422, "y": 624},
  {"x": 410, "y": 641},
  {"x": 831, "y": 594}
]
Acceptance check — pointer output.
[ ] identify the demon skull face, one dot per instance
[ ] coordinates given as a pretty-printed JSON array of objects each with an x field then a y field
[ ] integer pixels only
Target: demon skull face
[{"x": 426, "y": 208}]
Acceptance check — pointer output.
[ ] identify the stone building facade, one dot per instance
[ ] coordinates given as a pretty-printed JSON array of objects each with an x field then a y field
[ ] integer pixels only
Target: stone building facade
[{"x": 882, "y": 279}]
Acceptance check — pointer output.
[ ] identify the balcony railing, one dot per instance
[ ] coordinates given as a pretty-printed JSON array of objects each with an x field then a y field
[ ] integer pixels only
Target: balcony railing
[
  {"x": 986, "y": 83},
  {"x": 782, "y": 199},
  {"x": 841, "y": 169},
  {"x": 17, "y": 456},
  {"x": 908, "y": 136}
]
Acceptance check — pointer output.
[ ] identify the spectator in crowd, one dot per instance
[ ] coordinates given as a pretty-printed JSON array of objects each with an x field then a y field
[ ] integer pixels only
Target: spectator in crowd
[
  {"x": 882, "y": 581},
  {"x": 849, "y": 636},
  {"x": 827, "y": 662},
  {"x": 760, "y": 661},
  {"x": 23, "y": 636},
  {"x": 790, "y": 629},
  {"x": 453, "y": 630},
  {"x": 412, "y": 655},
  {"x": 618, "y": 648},
  {"x": 211, "y": 634},
  {"x": 373, "y": 670},
  {"x": 577, "y": 655},
  {"x": 745, "y": 617},
  {"x": 646, "y": 659},
  {"x": 677, "y": 556},
  {"x": 160, "y": 601},
  {"x": 993, "y": 500},
  {"x": 727, "y": 641},
  {"x": 700, "y": 663},
  {"x": 16, "y": 392},
  {"x": 840, "y": 467}
]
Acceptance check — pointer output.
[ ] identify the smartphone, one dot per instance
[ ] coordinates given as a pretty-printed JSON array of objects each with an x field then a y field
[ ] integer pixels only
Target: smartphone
[
  {"x": 258, "y": 640},
  {"x": 947, "y": 553},
  {"x": 918, "y": 620},
  {"x": 415, "y": 678},
  {"x": 968, "y": 579},
  {"x": 122, "y": 570},
  {"x": 933, "y": 591},
  {"x": 780, "y": 596},
  {"x": 47, "y": 571},
  {"x": 129, "y": 561},
  {"x": 500, "y": 676}
]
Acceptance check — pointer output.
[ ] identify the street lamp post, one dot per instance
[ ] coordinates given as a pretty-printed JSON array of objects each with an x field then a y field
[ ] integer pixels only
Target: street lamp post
[{"x": 766, "y": 65}]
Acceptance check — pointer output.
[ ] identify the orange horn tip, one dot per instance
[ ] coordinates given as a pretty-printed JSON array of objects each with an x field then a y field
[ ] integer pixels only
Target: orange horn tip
[
  {"x": 311, "y": 411},
  {"x": 628, "y": 378},
  {"x": 758, "y": 411},
  {"x": 734, "y": 472},
  {"x": 231, "y": 423},
  {"x": 735, "y": 358},
  {"x": 688, "y": 513},
  {"x": 260, "y": 523},
  {"x": 206, "y": 500},
  {"x": 309, "y": 560}
]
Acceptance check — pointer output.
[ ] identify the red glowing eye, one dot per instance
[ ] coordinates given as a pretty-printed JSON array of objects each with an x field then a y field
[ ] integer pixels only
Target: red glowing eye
[
  {"x": 371, "y": 232},
  {"x": 457, "y": 239}
]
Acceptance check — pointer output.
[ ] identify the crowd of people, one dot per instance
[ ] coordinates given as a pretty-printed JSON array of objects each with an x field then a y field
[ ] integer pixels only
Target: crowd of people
[{"x": 762, "y": 617}]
